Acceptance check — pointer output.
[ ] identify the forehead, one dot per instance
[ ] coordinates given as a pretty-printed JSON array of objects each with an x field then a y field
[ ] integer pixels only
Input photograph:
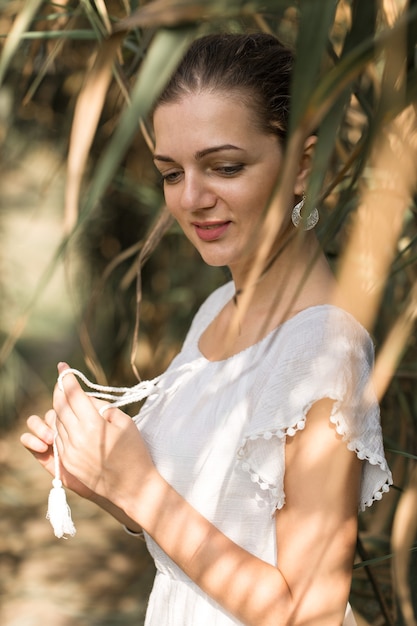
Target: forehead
[{"x": 218, "y": 116}]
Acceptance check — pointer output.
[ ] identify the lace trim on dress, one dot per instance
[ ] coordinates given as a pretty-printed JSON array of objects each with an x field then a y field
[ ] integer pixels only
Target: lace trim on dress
[
  {"x": 364, "y": 454},
  {"x": 354, "y": 445},
  {"x": 280, "y": 433}
]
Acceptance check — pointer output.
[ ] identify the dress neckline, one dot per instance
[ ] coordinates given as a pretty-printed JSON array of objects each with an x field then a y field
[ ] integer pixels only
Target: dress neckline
[{"x": 269, "y": 335}]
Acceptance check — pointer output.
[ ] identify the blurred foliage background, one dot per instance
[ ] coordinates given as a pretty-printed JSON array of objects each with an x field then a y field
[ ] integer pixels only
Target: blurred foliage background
[{"x": 82, "y": 209}]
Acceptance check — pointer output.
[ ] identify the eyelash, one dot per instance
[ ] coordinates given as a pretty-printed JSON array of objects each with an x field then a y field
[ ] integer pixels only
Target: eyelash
[
  {"x": 228, "y": 171},
  {"x": 167, "y": 178}
]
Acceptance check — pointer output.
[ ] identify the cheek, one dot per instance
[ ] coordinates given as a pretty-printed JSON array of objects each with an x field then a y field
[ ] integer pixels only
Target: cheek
[{"x": 171, "y": 201}]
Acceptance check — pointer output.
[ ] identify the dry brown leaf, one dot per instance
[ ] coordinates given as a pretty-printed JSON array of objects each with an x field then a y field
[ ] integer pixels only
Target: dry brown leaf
[
  {"x": 379, "y": 219},
  {"x": 86, "y": 117},
  {"x": 170, "y": 13}
]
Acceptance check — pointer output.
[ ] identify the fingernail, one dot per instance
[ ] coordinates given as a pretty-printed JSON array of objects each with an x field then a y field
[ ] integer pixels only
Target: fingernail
[{"x": 62, "y": 366}]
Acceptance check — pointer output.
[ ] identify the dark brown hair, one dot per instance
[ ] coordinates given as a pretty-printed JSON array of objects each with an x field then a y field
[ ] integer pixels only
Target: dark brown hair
[{"x": 255, "y": 66}]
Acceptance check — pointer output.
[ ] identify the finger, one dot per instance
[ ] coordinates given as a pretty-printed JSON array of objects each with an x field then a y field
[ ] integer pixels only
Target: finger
[
  {"x": 62, "y": 366},
  {"x": 72, "y": 404},
  {"x": 65, "y": 423},
  {"x": 50, "y": 419},
  {"x": 110, "y": 414},
  {"x": 40, "y": 429},
  {"x": 33, "y": 443},
  {"x": 97, "y": 403},
  {"x": 66, "y": 419}
]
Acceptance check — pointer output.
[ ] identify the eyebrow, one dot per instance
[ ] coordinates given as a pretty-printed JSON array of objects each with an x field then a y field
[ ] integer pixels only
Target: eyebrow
[{"x": 200, "y": 154}]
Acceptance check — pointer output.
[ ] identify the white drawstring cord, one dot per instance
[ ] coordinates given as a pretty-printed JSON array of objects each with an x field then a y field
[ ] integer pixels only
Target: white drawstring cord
[
  {"x": 59, "y": 513},
  {"x": 119, "y": 396}
]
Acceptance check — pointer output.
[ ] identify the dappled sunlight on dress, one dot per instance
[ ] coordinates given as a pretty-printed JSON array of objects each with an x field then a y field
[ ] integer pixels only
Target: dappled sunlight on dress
[{"x": 217, "y": 430}]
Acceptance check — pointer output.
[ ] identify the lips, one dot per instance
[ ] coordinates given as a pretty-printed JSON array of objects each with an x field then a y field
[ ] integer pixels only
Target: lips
[{"x": 210, "y": 231}]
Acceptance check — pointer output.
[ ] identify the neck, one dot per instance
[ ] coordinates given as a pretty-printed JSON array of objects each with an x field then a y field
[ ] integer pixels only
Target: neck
[
  {"x": 297, "y": 278},
  {"x": 294, "y": 277}
]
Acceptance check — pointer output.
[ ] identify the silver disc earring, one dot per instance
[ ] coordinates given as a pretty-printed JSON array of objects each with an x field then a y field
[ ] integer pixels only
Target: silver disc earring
[{"x": 311, "y": 220}]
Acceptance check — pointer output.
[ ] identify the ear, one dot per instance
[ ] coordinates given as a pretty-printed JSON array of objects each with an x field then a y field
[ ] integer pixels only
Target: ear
[{"x": 305, "y": 165}]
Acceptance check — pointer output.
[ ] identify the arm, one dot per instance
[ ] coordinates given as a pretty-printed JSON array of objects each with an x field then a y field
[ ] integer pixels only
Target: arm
[{"x": 316, "y": 530}]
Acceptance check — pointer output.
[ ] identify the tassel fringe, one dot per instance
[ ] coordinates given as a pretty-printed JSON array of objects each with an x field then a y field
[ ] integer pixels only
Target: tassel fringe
[{"x": 59, "y": 513}]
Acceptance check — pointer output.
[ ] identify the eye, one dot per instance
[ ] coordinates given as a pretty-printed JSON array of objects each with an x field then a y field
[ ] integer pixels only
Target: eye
[
  {"x": 229, "y": 170},
  {"x": 172, "y": 177}
]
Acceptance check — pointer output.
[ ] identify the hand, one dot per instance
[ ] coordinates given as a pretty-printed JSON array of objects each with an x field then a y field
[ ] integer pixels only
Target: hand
[
  {"x": 39, "y": 442},
  {"x": 106, "y": 454}
]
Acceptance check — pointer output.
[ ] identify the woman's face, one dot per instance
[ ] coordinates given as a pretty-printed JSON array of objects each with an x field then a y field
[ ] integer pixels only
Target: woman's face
[{"x": 219, "y": 171}]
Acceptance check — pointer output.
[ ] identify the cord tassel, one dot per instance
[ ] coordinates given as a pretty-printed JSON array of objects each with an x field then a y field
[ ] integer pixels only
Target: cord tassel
[{"x": 59, "y": 513}]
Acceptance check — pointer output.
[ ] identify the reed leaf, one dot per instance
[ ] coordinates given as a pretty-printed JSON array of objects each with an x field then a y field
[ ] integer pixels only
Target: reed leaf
[
  {"x": 14, "y": 38},
  {"x": 86, "y": 116},
  {"x": 77, "y": 34},
  {"x": 407, "y": 455},
  {"x": 350, "y": 67},
  {"x": 316, "y": 17},
  {"x": 170, "y": 13},
  {"x": 163, "y": 55},
  {"x": 403, "y": 534},
  {"x": 379, "y": 559}
]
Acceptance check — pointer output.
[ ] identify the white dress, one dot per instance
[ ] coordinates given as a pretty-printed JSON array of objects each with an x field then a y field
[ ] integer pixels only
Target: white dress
[{"x": 216, "y": 432}]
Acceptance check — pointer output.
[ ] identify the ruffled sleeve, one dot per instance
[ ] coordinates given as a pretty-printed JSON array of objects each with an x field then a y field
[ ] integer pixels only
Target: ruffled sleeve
[{"x": 320, "y": 353}]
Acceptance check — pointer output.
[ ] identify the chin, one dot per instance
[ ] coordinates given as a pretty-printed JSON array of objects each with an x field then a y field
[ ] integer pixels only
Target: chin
[
  {"x": 218, "y": 257},
  {"x": 212, "y": 262}
]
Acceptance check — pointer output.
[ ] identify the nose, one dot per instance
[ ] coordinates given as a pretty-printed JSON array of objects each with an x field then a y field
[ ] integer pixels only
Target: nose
[{"x": 196, "y": 192}]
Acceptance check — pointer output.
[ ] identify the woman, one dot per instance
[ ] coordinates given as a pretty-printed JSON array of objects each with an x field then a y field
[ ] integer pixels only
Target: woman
[{"x": 256, "y": 447}]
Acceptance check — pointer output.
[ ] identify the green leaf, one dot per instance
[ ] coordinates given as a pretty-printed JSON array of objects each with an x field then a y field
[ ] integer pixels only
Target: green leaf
[
  {"x": 407, "y": 455},
  {"x": 354, "y": 62},
  {"x": 82, "y": 34},
  {"x": 378, "y": 559},
  {"x": 363, "y": 23},
  {"x": 363, "y": 27},
  {"x": 316, "y": 17}
]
